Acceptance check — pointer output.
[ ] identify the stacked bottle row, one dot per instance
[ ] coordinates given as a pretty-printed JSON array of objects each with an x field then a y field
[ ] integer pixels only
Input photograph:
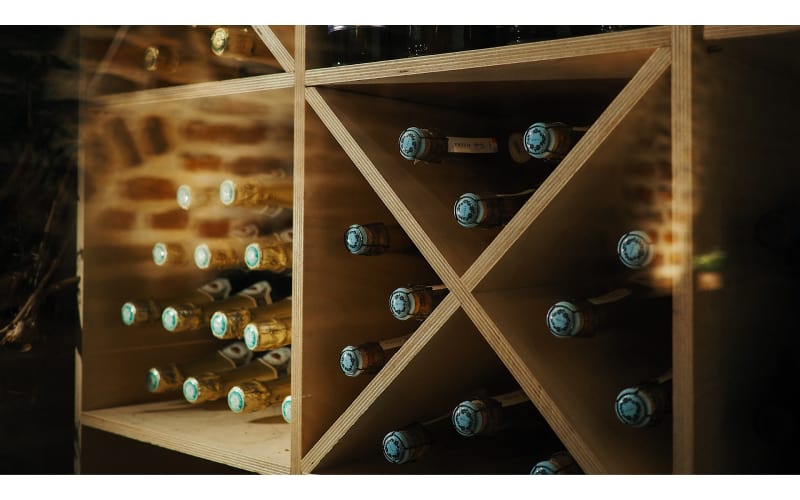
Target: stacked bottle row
[{"x": 359, "y": 44}]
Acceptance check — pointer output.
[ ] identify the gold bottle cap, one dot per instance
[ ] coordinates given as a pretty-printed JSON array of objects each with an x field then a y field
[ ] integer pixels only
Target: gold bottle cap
[
  {"x": 151, "y": 58},
  {"x": 219, "y": 41}
]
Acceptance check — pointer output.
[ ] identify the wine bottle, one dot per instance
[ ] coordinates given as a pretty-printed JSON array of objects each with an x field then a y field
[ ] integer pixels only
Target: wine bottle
[
  {"x": 488, "y": 416},
  {"x": 185, "y": 316},
  {"x": 286, "y": 409},
  {"x": 414, "y": 441},
  {"x": 353, "y": 44},
  {"x": 268, "y": 334},
  {"x": 170, "y": 377},
  {"x": 138, "y": 312},
  {"x": 161, "y": 59},
  {"x": 229, "y": 253},
  {"x": 194, "y": 198},
  {"x": 255, "y": 194},
  {"x": 239, "y": 43},
  {"x": 274, "y": 257},
  {"x": 512, "y": 35},
  {"x": 551, "y": 141},
  {"x": 256, "y": 395},
  {"x": 230, "y": 323},
  {"x": 433, "y": 146},
  {"x": 636, "y": 249},
  {"x": 377, "y": 238},
  {"x": 645, "y": 404},
  {"x": 370, "y": 356},
  {"x": 169, "y": 254},
  {"x": 488, "y": 210},
  {"x": 560, "y": 462},
  {"x": 415, "y": 301},
  {"x": 212, "y": 386}
]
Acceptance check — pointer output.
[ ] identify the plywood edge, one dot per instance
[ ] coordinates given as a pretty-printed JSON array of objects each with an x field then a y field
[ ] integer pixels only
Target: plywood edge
[
  {"x": 199, "y": 90},
  {"x": 683, "y": 286},
  {"x": 382, "y": 188},
  {"x": 550, "y": 50},
  {"x": 275, "y": 46},
  {"x": 728, "y": 32},
  {"x": 298, "y": 224},
  {"x": 104, "y": 420},
  {"x": 380, "y": 382},
  {"x": 619, "y": 108}
]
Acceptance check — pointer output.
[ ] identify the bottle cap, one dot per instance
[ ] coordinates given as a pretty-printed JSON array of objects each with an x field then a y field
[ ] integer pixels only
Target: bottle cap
[
  {"x": 564, "y": 319},
  {"x": 153, "y": 380},
  {"x": 635, "y": 249},
  {"x": 355, "y": 239},
  {"x": 151, "y": 58},
  {"x": 402, "y": 303},
  {"x": 286, "y": 408},
  {"x": 469, "y": 417},
  {"x": 236, "y": 399},
  {"x": 251, "y": 336},
  {"x": 170, "y": 318},
  {"x": 219, "y": 324},
  {"x": 469, "y": 210},
  {"x": 184, "y": 196},
  {"x": 129, "y": 312},
  {"x": 227, "y": 192},
  {"x": 351, "y": 361},
  {"x": 219, "y": 41},
  {"x": 398, "y": 448},
  {"x": 191, "y": 389},
  {"x": 635, "y": 407},
  {"x": 252, "y": 255},
  {"x": 560, "y": 463},
  {"x": 413, "y": 143},
  {"x": 160, "y": 254},
  {"x": 538, "y": 140},
  {"x": 202, "y": 256}
]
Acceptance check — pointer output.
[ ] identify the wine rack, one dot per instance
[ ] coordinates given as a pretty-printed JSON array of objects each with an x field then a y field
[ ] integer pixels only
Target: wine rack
[{"x": 689, "y": 135}]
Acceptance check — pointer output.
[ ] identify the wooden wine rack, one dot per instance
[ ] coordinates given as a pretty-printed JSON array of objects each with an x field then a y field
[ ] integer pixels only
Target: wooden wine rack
[{"x": 690, "y": 133}]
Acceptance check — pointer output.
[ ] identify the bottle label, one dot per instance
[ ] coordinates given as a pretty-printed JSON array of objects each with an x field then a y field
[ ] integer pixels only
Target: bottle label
[
  {"x": 236, "y": 353},
  {"x": 258, "y": 292},
  {"x": 612, "y": 296},
  {"x": 471, "y": 145},
  {"x": 218, "y": 289}
]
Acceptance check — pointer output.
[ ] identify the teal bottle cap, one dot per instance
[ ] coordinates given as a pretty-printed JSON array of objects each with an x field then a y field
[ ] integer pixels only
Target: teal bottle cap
[
  {"x": 413, "y": 143},
  {"x": 402, "y": 303},
  {"x": 397, "y": 448},
  {"x": 635, "y": 249},
  {"x": 469, "y": 418},
  {"x": 634, "y": 407},
  {"x": 159, "y": 254},
  {"x": 202, "y": 256},
  {"x": 169, "y": 319},
  {"x": 545, "y": 468},
  {"x": 227, "y": 192},
  {"x": 184, "y": 196},
  {"x": 286, "y": 408},
  {"x": 251, "y": 336},
  {"x": 351, "y": 361},
  {"x": 564, "y": 319},
  {"x": 469, "y": 210},
  {"x": 191, "y": 389},
  {"x": 128, "y": 313},
  {"x": 153, "y": 380},
  {"x": 538, "y": 140},
  {"x": 355, "y": 238},
  {"x": 236, "y": 399},
  {"x": 219, "y": 324},
  {"x": 252, "y": 255}
]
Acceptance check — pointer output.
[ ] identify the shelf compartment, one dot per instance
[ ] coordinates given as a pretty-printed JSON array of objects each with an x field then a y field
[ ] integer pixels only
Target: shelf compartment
[
  {"x": 417, "y": 384},
  {"x": 343, "y": 297},
  {"x": 257, "y": 442}
]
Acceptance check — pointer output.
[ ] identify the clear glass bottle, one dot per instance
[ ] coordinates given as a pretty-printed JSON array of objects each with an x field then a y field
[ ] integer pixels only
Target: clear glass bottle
[
  {"x": 433, "y": 146},
  {"x": 268, "y": 334},
  {"x": 551, "y": 141},
  {"x": 370, "y": 356},
  {"x": 255, "y": 395},
  {"x": 230, "y": 323},
  {"x": 377, "y": 238},
  {"x": 212, "y": 386},
  {"x": 167, "y": 378},
  {"x": 139, "y": 312},
  {"x": 256, "y": 194},
  {"x": 645, "y": 404},
  {"x": 489, "y": 210},
  {"x": 560, "y": 462},
  {"x": 415, "y": 301}
]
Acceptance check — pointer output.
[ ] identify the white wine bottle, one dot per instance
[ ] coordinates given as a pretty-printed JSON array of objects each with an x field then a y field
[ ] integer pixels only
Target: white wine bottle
[
  {"x": 369, "y": 357},
  {"x": 274, "y": 257},
  {"x": 415, "y": 301},
  {"x": 139, "y": 312},
  {"x": 268, "y": 334},
  {"x": 551, "y": 141},
  {"x": 255, "y": 395},
  {"x": 170, "y": 377},
  {"x": 229, "y": 253},
  {"x": 188, "y": 197},
  {"x": 377, "y": 238},
  {"x": 488, "y": 210},
  {"x": 645, "y": 404},
  {"x": 161, "y": 59},
  {"x": 212, "y": 386},
  {"x": 256, "y": 194},
  {"x": 560, "y": 462},
  {"x": 170, "y": 254},
  {"x": 230, "y": 323}
]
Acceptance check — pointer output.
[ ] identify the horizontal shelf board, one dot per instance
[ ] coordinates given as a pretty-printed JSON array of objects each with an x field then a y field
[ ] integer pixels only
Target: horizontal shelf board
[
  {"x": 726, "y": 32},
  {"x": 257, "y": 442},
  {"x": 611, "y": 55},
  {"x": 198, "y": 90}
]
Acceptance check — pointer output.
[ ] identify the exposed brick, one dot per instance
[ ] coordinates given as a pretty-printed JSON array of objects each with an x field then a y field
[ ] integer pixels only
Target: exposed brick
[
  {"x": 149, "y": 188},
  {"x": 115, "y": 218},
  {"x": 228, "y": 133},
  {"x": 97, "y": 156},
  {"x": 213, "y": 228},
  {"x": 200, "y": 161},
  {"x": 172, "y": 219},
  {"x": 249, "y": 165},
  {"x": 155, "y": 140},
  {"x": 124, "y": 143}
]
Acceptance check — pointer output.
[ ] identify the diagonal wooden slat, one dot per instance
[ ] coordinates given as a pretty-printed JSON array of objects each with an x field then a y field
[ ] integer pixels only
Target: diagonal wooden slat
[{"x": 275, "y": 46}]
